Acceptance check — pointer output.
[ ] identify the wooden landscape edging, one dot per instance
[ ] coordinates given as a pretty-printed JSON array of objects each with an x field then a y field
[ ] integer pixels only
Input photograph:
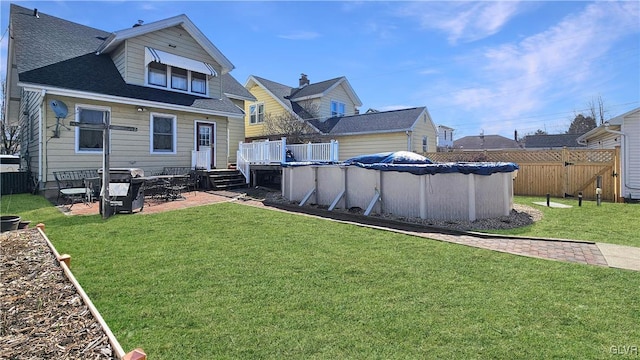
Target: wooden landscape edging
[{"x": 65, "y": 262}]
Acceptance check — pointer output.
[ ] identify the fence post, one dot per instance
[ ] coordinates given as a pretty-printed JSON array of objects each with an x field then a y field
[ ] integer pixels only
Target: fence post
[
  {"x": 309, "y": 152},
  {"x": 283, "y": 151}
]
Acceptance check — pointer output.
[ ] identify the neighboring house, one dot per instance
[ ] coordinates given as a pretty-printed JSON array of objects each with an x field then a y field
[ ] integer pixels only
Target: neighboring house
[
  {"x": 445, "y": 138},
  {"x": 550, "y": 142},
  {"x": 165, "y": 78},
  {"x": 622, "y": 132},
  {"x": 485, "y": 142},
  {"x": 336, "y": 116}
]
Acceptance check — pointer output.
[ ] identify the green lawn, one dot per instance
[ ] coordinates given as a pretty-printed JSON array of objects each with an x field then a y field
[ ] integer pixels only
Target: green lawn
[
  {"x": 608, "y": 223},
  {"x": 231, "y": 281}
]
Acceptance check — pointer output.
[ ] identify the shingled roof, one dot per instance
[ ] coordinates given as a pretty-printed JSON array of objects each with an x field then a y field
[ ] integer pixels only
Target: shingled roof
[
  {"x": 53, "y": 52},
  {"x": 378, "y": 122},
  {"x": 551, "y": 141},
  {"x": 485, "y": 142}
]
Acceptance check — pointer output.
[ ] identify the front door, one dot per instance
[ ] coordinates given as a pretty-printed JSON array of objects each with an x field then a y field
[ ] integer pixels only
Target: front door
[{"x": 205, "y": 140}]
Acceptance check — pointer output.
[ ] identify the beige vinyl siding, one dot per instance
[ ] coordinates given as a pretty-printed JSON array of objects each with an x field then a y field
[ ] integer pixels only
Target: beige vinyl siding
[
  {"x": 423, "y": 127},
  {"x": 30, "y": 126},
  {"x": 186, "y": 46},
  {"x": 338, "y": 94},
  {"x": 129, "y": 149},
  {"x": 355, "y": 145},
  {"x": 236, "y": 134},
  {"x": 271, "y": 108},
  {"x": 119, "y": 59},
  {"x": 631, "y": 127}
]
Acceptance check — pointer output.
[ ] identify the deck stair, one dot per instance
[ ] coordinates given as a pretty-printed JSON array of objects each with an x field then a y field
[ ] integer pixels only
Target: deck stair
[{"x": 226, "y": 179}]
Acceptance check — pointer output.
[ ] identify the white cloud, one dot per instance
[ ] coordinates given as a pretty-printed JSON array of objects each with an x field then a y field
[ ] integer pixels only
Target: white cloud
[
  {"x": 463, "y": 21},
  {"x": 300, "y": 35},
  {"x": 514, "y": 79}
]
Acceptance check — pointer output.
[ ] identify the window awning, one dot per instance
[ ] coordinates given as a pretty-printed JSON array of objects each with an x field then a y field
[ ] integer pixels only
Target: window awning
[{"x": 178, "y": 61}]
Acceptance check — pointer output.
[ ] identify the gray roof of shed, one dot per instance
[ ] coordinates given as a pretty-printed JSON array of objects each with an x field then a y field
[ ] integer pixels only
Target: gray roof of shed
[
  {"x": 378, "y": 122},
  {"x": 55, "y": 52}
]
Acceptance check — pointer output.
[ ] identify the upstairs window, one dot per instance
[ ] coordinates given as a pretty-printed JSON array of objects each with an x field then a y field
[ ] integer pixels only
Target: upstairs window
[
  {"x": 198, "y": 83},
  {"x": 337, "y": 108},
  {"x": 163, "y": 134},
  {"x": 424, "y": 144},
  {"x": 179, "y": 79},
  {"x": 256, "y": 113},
  {"x": 157, "y": 74}
]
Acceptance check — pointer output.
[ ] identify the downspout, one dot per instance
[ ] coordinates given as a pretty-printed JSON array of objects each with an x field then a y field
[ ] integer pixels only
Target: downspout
[
  {"x": 41, "y": 138},
  {"x": 625, "y": 153},
  {"x": 408, "y": 132}
]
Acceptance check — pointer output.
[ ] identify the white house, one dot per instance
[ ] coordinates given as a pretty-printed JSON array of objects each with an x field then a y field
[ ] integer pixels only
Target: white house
[{"x": 622, "y": 131}]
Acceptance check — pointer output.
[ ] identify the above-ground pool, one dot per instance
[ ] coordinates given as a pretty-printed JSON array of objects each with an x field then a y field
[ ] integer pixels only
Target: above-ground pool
[{"x": 404, "y": 184}]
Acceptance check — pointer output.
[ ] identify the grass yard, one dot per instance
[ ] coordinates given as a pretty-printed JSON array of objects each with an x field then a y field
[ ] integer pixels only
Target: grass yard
[
  {"x": 232, "y": 281},
  {"x": 609, "y": 223}
]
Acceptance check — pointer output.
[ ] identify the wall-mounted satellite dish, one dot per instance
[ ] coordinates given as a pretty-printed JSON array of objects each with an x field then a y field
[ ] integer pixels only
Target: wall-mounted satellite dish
[
  {"x": 59, "y": 108},
  {"x": 61, "y": 111}
]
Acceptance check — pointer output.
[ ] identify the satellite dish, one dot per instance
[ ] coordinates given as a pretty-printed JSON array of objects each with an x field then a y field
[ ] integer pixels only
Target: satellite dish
[
  {"x": 59, "y": 108},
  {"x": 61, "y": 111}
]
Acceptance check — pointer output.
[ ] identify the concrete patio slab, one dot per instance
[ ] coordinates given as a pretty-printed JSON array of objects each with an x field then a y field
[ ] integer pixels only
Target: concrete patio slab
[
  {"x": 552, "y": 204},
  {"x": 619, "y": 256}
]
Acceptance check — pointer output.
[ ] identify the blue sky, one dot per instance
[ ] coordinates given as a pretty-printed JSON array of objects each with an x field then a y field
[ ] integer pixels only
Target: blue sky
[{"x": 491, "y": 67}]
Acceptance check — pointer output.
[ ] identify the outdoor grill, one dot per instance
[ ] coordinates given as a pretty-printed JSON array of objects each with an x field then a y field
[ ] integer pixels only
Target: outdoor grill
[{"x": 126, "y": 192}]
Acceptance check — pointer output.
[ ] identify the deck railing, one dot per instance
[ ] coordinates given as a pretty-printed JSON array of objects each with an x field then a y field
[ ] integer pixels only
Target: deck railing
[
  {"x": 243, "y": 165},
  {"x": 201, "y": 159},
  {"x": 274, "y": 152}
]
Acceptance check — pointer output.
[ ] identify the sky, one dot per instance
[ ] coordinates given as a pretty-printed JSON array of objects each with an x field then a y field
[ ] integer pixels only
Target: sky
[{"x": 479, "y": 67}]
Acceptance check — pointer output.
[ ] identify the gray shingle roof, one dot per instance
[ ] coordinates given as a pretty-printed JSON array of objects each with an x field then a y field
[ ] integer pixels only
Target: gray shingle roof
[
  {"x": 55, "y": 52},
  {"x": 313, "y": 89},
  {"x": 551, "y": 141},
  {"x": 378, "y": 122},
  {"x": 488, "y": 142}
]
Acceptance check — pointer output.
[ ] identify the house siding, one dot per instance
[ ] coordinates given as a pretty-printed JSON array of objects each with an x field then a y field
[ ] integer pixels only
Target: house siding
[
  {"x": 608, "y": 141},
  {"x": 128, "y": 149},
  {"x": 119, "y": 57},
  {"x": 337, "y": 94},
  {"x": 30, "y": 125},
  {"x": 631, "y": 127},
  {"x": 355, "y": 145},
  {"x": 186, "y": 46},
  {"x": 236, "y": 134},
  {"x": 423, "y": 127},
  {"x": 271, "y": 108}
]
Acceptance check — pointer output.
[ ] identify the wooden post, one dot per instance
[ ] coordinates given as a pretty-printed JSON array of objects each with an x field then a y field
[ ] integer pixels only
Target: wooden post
[{"x": 65, "y": 258}]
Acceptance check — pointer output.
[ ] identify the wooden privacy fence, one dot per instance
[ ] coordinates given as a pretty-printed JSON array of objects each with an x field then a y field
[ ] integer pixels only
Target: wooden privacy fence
[{"x": 561, "y": 173}]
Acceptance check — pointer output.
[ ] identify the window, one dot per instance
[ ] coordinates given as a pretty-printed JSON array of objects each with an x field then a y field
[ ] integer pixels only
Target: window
[
  {"x": 256, "y": 113},
  {"x": 181, "y": 79},
  {"x": 163, "y": 134},
  {"x": 157, "y": 74},
  {"x": 90, "y": 140},
  {"x": 424, "y": 144},
  {"x": 337, "y": 108},
  {"x": 198, "y": 83}
]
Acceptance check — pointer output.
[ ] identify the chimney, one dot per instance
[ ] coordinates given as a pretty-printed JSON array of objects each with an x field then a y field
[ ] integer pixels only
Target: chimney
[
  {"x": 304, "y": 81},
  {"x": 515, "y": 135},
  {"x": 140, "y": 22},
  {"x": 35, "y": 13}
]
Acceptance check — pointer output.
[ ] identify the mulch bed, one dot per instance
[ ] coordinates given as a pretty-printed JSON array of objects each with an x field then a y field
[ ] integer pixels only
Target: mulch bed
[{"x": 42, "y": 316}]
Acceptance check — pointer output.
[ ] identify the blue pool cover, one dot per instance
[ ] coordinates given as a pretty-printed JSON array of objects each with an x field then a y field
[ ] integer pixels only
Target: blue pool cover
[{"x": 405, "y": 161}]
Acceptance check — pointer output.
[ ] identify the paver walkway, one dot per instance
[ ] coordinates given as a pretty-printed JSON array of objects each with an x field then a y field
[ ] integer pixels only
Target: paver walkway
[{"x": 584, "y": 252}]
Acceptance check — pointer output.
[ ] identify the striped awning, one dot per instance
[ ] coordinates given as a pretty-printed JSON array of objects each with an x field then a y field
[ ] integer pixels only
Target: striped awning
[{"x": 178, "y": 61}]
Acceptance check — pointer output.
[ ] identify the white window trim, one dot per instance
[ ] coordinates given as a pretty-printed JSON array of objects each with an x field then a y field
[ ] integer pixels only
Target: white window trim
[
  {"x": 175, "y": 134},
  {"x": 170, "y": 88},
  {"x": 338, "y": 103},
  {"x": 77, "y": 129},
  {"x": 257, "y": 105}
]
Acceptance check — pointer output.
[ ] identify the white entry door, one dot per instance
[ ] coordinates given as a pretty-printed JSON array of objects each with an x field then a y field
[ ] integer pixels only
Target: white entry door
[{"x": 205, "y": 140}]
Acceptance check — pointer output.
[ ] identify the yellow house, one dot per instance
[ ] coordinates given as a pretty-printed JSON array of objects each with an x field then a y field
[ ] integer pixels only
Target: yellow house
[
  {"x": 334, "y": 115},
  {"x": 164, "y": 78}
]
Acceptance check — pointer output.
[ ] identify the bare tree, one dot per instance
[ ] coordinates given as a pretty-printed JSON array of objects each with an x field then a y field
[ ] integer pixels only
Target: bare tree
[
  {"x": 597, "y": 110},
  {"x": 290, "y": 125},
  {"x": 9, "y": 134}
]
